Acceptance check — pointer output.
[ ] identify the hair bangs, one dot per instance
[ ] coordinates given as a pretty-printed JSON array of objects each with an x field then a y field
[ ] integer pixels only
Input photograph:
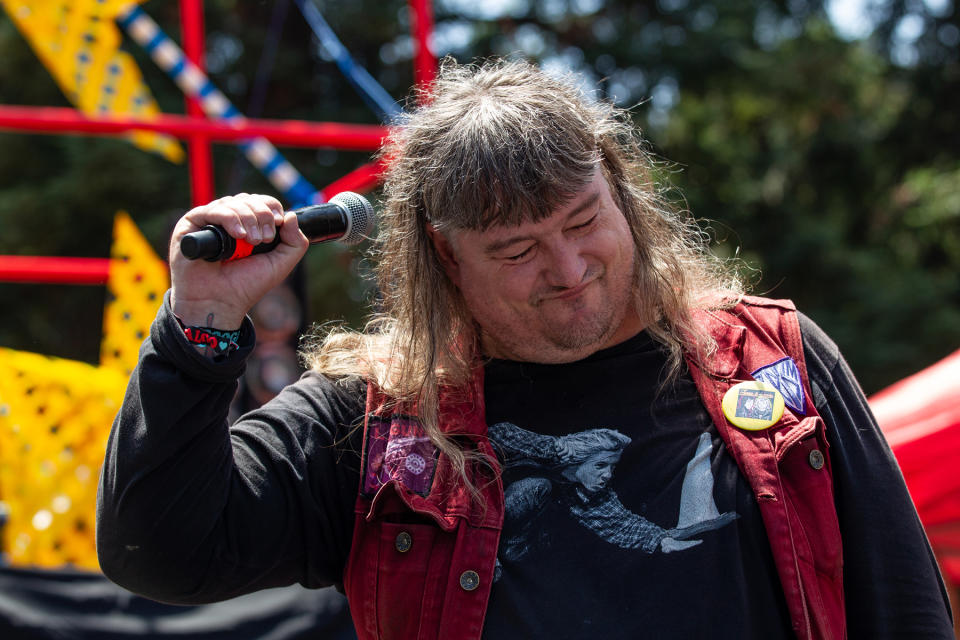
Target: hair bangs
[{"x": 506, "y": 157}]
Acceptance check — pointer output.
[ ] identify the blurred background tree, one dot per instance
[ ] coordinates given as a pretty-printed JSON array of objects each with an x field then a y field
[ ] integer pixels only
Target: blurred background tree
[{"x": 818, "y": 141}]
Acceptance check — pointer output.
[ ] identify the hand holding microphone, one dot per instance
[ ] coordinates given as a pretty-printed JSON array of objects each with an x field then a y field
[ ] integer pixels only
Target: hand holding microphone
[
  {"x": 219, "y": 290},
  {"x": 346, "y": 218}
]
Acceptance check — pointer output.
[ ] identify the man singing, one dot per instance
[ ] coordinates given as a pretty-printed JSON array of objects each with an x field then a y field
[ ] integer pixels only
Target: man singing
[{"x": 542, "y": 309}]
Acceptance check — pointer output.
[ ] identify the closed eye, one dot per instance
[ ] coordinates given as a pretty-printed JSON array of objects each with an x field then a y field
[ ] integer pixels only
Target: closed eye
[
  {"x": 586, "y": 224},
  {"x": 520, "y": 256}
]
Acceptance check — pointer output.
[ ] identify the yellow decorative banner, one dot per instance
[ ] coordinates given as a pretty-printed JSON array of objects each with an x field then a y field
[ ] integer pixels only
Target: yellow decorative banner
[
  {"x": 138, "y": 278},
  {"x": 78, "y": 41},
  {"x": 55, "y": 417}
]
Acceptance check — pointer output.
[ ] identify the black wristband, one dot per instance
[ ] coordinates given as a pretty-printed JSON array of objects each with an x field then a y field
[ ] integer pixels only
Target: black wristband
[{"x": 217, "y": 342}]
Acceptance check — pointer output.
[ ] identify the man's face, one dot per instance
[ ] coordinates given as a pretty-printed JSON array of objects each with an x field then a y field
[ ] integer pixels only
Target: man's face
[{"x": 551, "y": 291}]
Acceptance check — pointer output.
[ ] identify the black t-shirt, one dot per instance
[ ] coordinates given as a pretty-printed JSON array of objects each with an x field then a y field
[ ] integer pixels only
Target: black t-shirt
[{"x": 625, "y": 517}]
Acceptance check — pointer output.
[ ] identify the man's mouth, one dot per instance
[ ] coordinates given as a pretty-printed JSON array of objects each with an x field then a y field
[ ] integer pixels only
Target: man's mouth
[
  {"x": 566, "y": 293},
  {"x": 592, "y": 275}
]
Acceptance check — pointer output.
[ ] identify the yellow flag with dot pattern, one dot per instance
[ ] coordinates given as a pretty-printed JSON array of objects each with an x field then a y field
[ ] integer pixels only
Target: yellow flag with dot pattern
[
  {"x": 55, "y": 416},
  {"x": 79, "y": 44}
]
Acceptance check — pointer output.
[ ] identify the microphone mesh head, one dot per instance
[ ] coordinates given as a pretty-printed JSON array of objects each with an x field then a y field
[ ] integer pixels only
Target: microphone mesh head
[{"x": 359, "y": 216}]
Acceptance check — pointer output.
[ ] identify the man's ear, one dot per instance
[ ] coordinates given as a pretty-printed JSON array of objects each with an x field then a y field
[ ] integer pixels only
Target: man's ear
[{"x": 445, "y": 253}]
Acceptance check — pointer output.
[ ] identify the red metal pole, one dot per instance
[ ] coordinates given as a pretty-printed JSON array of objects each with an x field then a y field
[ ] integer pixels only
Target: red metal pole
[
  {"x": 362, "y": 179},
  {"x": 294, "y": 133},
  {"x": 200, "y": 160},
  {"x": 425, "y": 63},
  {"x": 54, "y": 270}
]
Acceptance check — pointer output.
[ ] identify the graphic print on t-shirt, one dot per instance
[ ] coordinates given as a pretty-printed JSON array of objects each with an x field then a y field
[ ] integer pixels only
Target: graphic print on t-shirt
[{"x": 574, "y": 472}]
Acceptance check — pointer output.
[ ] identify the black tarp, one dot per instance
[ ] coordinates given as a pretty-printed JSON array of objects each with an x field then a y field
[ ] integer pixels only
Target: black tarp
[{"x": 76, "y": 605}]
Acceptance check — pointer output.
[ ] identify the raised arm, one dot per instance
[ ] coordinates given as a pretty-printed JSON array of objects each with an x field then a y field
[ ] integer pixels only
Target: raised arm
[{"x": 191, "y": 510}]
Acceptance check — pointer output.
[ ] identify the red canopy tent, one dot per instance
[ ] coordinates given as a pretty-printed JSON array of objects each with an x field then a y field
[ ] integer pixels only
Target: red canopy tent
[{"x": 920, "y": 417}]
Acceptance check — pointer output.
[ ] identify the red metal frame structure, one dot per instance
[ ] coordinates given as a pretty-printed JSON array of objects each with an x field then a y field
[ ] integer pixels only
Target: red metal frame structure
[
  {"x": 292, "y": 133},
  {"x": 200, "y": 159},
  {"x": 54, "y": 270},
  {"x": 425, "y": 63},
  {"x": 200, "y": 132}
]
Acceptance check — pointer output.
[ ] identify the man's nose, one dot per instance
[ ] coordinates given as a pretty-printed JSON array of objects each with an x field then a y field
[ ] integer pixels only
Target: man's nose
[{"x": 567, "y": 266}]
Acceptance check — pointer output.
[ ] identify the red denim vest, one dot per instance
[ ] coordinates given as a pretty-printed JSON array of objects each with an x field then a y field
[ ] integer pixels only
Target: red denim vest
[
  {"x": 423, "y": 551},
  {"x": 787, "y": 465}
]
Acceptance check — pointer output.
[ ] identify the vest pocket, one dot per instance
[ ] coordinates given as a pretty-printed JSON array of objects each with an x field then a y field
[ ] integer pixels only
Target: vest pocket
[{"x": 409, "y": 590}]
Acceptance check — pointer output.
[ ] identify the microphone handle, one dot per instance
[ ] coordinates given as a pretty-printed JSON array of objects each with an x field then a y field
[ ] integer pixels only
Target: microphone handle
[{"x": 319, "y": 222}]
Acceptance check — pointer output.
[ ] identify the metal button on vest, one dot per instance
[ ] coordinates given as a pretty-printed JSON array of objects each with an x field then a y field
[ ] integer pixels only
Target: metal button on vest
[
  {"x": 403, "y": 542},
  {"x": 469, "y": 580},
  {"x": 816, "y": 459}
]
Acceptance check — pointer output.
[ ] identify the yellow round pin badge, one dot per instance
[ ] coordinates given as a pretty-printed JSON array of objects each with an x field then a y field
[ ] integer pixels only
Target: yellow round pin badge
[{"x": 753, "y": 405}]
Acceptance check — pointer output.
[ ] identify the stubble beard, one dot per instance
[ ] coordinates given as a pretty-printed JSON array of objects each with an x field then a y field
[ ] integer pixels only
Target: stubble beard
[
  {"x": 597, "y": 329},
  {"x": 574, "y": 336},
  {"x": 567, "y": 341},
  {"x": 550, "y": 343}
]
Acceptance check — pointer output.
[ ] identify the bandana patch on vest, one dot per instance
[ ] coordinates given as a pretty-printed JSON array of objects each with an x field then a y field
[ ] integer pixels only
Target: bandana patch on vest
[
  {"x": 784, "y": 376},
  {"x": 398, "y": 449}
]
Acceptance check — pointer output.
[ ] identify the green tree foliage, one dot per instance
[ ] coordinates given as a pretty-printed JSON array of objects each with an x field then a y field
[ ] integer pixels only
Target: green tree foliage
[
  {"x": 809, "y": 160},
  {"x": 824, "y": 156}
]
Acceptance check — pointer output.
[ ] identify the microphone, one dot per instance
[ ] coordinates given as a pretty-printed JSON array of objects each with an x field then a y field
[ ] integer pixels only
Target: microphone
[{"x": 347, "y": 218}]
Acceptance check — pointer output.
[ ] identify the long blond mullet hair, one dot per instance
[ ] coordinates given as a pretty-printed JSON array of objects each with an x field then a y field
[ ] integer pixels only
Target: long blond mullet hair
[{"x": 499, "y": 144}]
